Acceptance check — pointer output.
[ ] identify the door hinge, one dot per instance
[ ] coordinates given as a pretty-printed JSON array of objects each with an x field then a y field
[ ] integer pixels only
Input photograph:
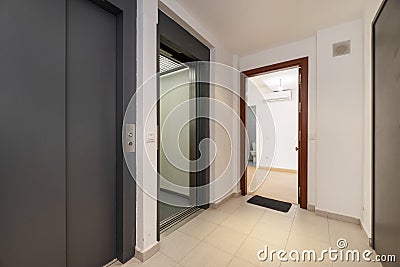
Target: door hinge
[
  {"x": 300, "y": 107},
  {"x": 299, "y": 191},
  {"x": 299, "y": 78},
  {"x": 299, "y": 135}
]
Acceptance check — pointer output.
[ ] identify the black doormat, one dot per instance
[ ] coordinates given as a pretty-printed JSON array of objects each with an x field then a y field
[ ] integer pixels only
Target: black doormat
[{"x": 270, "y": 203}]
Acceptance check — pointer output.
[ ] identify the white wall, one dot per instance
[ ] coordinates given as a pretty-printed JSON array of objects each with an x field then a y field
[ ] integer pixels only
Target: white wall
[
  {"x": 146, "y": 153},
  {"x": 366, "y": 218},
  {"x": 340, "y": 121},
  {"x": 285, "y": 116},
  {"x": 302, "y": 48},
  {"x": 225, "y": 118}
]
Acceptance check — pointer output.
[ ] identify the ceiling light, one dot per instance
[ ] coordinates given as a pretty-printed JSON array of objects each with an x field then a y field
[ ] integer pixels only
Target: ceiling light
[{"x": 168, "y": 65}]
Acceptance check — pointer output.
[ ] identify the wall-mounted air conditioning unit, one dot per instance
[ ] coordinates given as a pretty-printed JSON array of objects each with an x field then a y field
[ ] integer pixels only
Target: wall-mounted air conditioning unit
[{"x": 284, "y": 95}]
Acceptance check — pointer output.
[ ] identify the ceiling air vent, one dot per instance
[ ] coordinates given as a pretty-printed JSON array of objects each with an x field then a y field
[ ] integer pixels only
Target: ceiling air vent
[{"x": 341, "y": 49}]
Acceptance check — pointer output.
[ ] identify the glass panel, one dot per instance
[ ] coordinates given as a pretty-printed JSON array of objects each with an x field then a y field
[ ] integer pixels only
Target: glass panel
[{"x": 174, "y": 164}]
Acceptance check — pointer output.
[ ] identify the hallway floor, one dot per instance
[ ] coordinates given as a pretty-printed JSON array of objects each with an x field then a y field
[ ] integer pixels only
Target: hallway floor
[
  {"x": 280, "y": 185},
  {"x": 233, "y": 234}
]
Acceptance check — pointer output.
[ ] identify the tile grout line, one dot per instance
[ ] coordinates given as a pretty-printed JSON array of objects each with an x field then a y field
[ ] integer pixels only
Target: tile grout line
[
  {"x": 196, "y": 246},
  {"x": 290, "y": 231},
  {"x": 189, "y": 251},
  {"x": 329, "y": 236},
  {"x": 168, "y": 257}
]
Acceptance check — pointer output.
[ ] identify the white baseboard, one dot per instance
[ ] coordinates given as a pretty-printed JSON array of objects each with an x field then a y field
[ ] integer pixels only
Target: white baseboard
[
  {"x": 366, "y": 233},
  {"x": 218, "y": 204},
  {"x": 311, "y": 207},
  {"x": 145, "y": 255},
  {"x": 339, "y": 217}
]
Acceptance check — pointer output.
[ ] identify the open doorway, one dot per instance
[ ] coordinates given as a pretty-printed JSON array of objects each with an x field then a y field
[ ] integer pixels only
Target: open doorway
[
  {"x": 279, "y": 91},
  {"x": 284, "y": 88}
]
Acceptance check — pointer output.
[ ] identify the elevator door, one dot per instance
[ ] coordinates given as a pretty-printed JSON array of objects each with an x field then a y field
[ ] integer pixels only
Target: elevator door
[
  {"x": 386, "y": 228},
  {"x": 91, "y": 134},
  {"x": 66, "y": 79},
  {"x": 32, "y": 133}
]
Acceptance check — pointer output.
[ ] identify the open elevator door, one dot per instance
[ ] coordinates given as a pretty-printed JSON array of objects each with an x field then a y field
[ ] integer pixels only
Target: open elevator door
[{"x": 182, "y": 187}]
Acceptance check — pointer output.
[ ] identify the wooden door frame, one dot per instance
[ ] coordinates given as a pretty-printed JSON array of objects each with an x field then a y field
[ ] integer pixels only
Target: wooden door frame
[{"x": 302, "y": 63}]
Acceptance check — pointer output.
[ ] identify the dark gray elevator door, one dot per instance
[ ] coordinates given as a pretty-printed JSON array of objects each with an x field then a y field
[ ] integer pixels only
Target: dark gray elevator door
[
  {"x": 387, "y": 131},
  {"x": 91, "y": 134},
  {"x": 32, "y": 129}
]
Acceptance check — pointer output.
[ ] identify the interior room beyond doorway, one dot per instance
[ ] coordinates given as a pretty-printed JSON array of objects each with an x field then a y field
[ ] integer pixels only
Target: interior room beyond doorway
[{"x": 279, "y": 91}]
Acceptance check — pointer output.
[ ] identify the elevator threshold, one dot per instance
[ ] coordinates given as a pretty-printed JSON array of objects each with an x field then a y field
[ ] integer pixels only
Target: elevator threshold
[{"x": 175, "y": 221}]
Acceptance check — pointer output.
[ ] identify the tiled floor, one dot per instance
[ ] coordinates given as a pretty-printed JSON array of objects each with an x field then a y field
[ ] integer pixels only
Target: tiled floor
[
  {"x": 232, "y": 234},
  {"x": 277, "y": 185}
]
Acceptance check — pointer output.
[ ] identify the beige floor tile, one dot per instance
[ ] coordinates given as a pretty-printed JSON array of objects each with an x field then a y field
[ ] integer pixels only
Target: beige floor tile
[
  {"x": 318, "y": 232},
  {"x": 277, "y": 221},
  {"x": 240, "y": 199},
  {"x": 353, "y": 233},
  {"x": 229, "y": 206},
  {"x": 250, "y": 210},
  {"x": 160, "y": 260},
  {"x": 206, "y": 255},
  {"x": 157, "y": 260},
  {"x": 357, "y": 264},
  {"x": 267, "y": 234},
  {"x": 236, "y": 262},
  {"x": 302, "y": 233},
  {"x": 306, "y": 223},
  {"x": 234, "y": 233},
  {"x": 306, "y": 264},
  {"x": 226, "y": 239},
  {"x": 361, "y": 248},
  {"x": 300, "y": 243},
  {"x": 214, "y": 216},
  {"x": 241, "y": 224},
  {"x": 131, "y": 263},
  {"x": 250, "y": 249},
  {"x": 177, "y": 245},
  {"x": 309, "y": 217},
  {"x": 198, "y": 228}
]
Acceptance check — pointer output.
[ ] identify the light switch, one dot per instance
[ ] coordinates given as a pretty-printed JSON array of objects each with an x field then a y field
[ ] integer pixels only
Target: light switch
[{"x": 150, "y": 137}]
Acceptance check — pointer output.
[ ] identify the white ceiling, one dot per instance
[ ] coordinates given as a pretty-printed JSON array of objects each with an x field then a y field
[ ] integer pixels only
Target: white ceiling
[{"x": 249, "y": 26}]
